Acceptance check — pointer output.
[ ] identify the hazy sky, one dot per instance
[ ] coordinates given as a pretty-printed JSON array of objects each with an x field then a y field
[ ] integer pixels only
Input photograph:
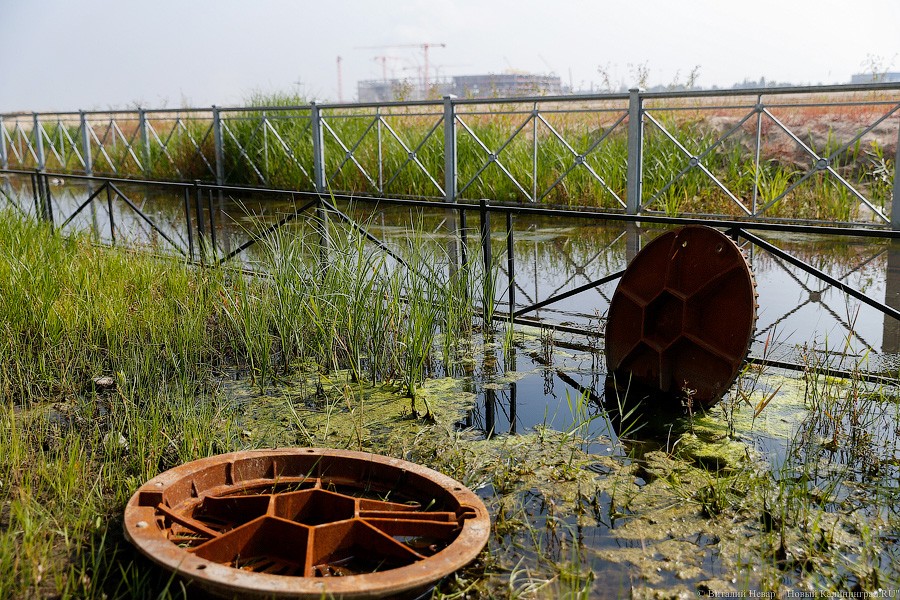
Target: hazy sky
[{"x": 96, "y": 54}]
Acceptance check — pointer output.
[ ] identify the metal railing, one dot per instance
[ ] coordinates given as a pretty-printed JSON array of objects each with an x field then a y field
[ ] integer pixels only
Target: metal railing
[{"x": 808, "y": 153}]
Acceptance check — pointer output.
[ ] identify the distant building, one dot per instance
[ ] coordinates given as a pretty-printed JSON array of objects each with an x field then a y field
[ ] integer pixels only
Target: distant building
[
  {"x": 378, "y": 90},
  {"x": 889, "y": 77},
  {"x": 749, "y": 84},
  {"x": 500, "y": 85},
  {"x": 506, "y": 85}
]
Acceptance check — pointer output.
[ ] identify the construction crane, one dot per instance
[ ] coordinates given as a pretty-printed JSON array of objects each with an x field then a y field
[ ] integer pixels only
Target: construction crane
[
  {"x": 383, "y": 59},
  {"x": 340, "y": 82},
  {"x": 423, "y": 46}
]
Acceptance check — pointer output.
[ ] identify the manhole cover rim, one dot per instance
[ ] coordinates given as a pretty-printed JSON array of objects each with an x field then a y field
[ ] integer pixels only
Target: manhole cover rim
[{"x": 218, "y": 578}]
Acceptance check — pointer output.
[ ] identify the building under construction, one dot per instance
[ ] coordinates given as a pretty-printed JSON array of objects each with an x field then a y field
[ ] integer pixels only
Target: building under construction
[{"x": 492, "y": 85}]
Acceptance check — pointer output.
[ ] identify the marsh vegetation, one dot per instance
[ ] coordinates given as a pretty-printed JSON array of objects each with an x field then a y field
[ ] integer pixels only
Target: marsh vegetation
[{"x": 116, "y": 365}]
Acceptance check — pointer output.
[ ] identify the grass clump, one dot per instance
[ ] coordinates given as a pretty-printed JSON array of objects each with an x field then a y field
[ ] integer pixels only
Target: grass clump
[
  {"x": 375, "y": 311},
  {"x": 71, "y": 312},
  {"x": 111, "y": 370},
  {"x": 104, "y": 377}
]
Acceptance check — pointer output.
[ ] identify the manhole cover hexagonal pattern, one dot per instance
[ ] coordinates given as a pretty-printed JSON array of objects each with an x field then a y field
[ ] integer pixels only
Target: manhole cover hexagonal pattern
[
  {"x": 682, "y": 318},
  {"x": 307, "y": 523}
]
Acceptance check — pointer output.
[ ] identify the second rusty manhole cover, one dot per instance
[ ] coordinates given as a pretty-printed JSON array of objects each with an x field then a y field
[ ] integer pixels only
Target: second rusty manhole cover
[
  {"x": 682, "y": 318},
  {"x": 307, "y": 523}
]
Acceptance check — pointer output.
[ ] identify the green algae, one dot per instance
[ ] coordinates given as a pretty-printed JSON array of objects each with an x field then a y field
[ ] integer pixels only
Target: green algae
[
  {"x": 332, "y": 410},
  {"x": 723, "y": 437},
  {"x": 544, "y": 463},
  {"x": 499, "y": 382},
  {"x": 778, "y": 417},
  {"x": 565, "y": 518}
]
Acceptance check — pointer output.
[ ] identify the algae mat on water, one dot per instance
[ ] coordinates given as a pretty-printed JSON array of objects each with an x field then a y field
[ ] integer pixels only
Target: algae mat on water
[{"x": 578, "y": 516}]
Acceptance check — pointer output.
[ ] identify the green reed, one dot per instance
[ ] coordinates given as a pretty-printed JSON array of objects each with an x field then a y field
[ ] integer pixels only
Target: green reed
[{"x": 73, "y": 447}]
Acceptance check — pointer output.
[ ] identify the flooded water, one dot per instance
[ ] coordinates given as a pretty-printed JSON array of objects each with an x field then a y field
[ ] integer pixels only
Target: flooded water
[
  {"x": 535, "y": 383},
  {"x": 531, "y": 378},
  {"x": 552, "y": 256}
]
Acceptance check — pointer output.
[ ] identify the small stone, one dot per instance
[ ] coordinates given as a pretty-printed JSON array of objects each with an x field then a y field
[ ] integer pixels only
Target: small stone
[
  {"x": 121, "y": 442},
  {"x": 866, "y": 214},
  {"x": 106, "y": 382},
  {"x": 141, "y": 524}
]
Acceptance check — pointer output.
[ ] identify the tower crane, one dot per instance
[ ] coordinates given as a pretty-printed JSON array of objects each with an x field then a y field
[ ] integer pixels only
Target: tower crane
[
  {"x": 383, "y": 59},
  {"x": 425, "y": 46},
  {"x": 340, "y": 77}
]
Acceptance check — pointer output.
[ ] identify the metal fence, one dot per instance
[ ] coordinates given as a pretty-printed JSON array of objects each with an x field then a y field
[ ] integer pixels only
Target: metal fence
[{"x": 809, "y": 153}]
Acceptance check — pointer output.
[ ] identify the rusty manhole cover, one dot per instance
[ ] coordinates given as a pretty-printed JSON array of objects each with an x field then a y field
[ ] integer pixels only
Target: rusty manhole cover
[
  {"x": 307, "y": 523},
  {"x": 682, "y": 318}
]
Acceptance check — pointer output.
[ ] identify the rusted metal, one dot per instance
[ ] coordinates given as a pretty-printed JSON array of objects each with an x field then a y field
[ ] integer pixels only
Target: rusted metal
[
  {"x": 307, "y": 523},
  {"x": 682, "y": 318}
]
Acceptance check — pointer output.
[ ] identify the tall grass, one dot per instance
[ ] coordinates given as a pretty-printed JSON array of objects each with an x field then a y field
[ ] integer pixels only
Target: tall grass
[
  {"x": 71, "y": 312},
  {"x": 73, "y": 445},
  {"x": 372, "y": 311}
]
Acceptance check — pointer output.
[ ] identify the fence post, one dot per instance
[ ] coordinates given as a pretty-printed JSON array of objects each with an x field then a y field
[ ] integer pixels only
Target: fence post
[
  {"x": 635, "y": 147},
  {"x": 511, "y": 264},
  {"x": 35, "y": 193},
  {"x": 220, "y": 151},
  {"x": 145, "y": 140},
  {"x": 86, "y": 145},
  {"x": 378, "y": 133},
  {"x": 112, "y": 221},
  {"x": 759, "y": 114},
  {"x": 214, "y": 242},
  {"x": 40, "y": 181},
  {"x": 895, "y": 203},
  {"x": 891, "y": 328},
  {"x": 534, "y": 152},
  {"x": 38, "y": 142},
  {"x": 265, "y": 131},
  {"x": 201, "y": 233},
  {"x": 449, "y": 149},
  {"x": 48, "y": 202},
  {"x": 88, "y": 159},
  {"x": 4, "y": 160},
  {"x": 486, "y": 254},
  {"x": 318, "y": 142},
  {"x": 454, "y": 230},
  {"x": 220, "y": 178},
  {"x": 187, "y": 221}
]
